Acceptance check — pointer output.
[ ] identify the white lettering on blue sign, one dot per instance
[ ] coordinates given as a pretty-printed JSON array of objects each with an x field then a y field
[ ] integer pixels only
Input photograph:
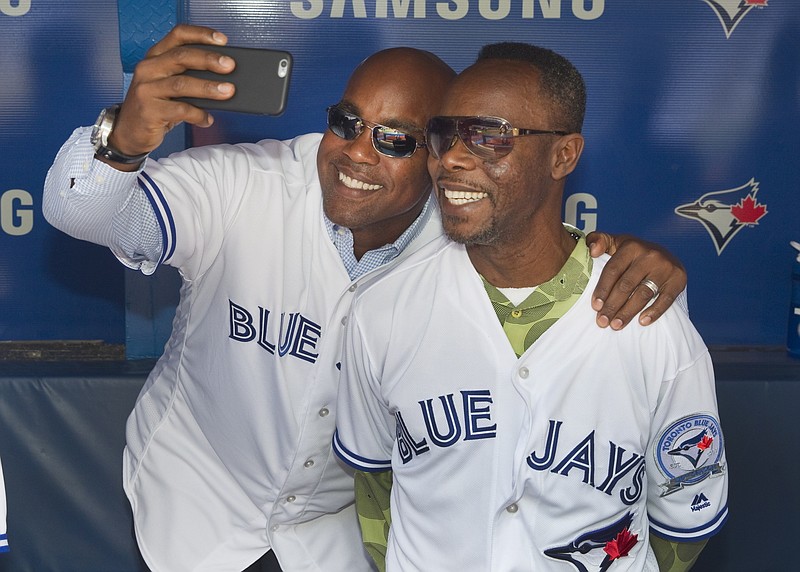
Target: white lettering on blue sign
[
  {"x": 451, "y": 10},
  {"x": 18, "y": 8},
  {"x": 16, "y": 212},
  {"x": 580, "y": 210}
]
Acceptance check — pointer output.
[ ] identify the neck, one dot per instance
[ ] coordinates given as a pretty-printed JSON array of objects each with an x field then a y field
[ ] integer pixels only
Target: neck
[
  {"x": 385, "y": 232},
  {"x": 528, "y": 263}
]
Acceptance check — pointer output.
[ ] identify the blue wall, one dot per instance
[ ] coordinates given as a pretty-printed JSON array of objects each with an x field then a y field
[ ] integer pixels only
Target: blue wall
[
  {"x": 692, "y": 103},
  {"x": 57, "y": 69}
]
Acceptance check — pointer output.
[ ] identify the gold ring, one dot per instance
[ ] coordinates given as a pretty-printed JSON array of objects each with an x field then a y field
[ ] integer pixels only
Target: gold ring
[{"x": 651, "y": 285}]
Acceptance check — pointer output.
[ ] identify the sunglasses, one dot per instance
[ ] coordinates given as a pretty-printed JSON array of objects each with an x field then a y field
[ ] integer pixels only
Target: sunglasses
[
  {"x": 486, "y": 137},
  {"x": 386, "y": 140}
]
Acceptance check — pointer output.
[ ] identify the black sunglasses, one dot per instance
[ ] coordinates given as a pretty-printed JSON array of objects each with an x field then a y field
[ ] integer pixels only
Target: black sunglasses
[
  {"x": 485, "y": 137},
  {"x": 386, "y": 140}
]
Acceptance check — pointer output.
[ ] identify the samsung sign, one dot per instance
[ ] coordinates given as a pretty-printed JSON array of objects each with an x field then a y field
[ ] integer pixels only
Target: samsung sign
[{"x": 452, "y": 10}]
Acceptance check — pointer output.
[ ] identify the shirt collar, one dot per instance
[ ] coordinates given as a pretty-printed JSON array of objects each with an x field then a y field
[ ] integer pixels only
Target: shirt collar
[{"x": 342, "y": 239}]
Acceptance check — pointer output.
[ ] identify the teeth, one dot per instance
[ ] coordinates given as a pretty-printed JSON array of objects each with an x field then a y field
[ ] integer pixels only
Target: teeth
[
  {"x": 463, "y": 197},
  {"x": 351, "y": 183}
]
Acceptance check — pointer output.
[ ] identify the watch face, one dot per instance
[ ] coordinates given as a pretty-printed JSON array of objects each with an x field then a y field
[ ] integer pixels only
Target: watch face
[{"x": 101, "y": 130}]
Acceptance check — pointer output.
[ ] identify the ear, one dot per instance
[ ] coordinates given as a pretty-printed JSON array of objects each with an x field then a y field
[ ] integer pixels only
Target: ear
[{"x": 567, "y": 153}]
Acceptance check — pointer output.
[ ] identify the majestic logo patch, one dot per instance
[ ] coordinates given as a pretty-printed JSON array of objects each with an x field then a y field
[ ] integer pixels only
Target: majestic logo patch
[
  {"x": 598, "y": 549},
  {"x": 689, "y": 451},
  {"x": 731, "y": 12},
  {"x": 725, "y": 213},
  {"x": 700, "y": 502}
]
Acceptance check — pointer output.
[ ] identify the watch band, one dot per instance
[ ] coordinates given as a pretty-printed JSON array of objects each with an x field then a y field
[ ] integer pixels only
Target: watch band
[
  {"x": 102, "y": 149},
  {"x": 107, "y": 152}
]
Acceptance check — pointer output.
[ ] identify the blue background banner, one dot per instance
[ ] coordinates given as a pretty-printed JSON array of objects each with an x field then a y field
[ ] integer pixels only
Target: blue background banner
[
  {"x": 692, "y": 131},
  {"x": 691, "y": 128},
  {"x": 57, "y": 69}
]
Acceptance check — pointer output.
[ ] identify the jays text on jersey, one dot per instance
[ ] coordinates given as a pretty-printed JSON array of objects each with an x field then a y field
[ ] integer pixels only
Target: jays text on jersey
[
  {"x": 228, "y": 447},
  {"x": 564, "y": 459}
]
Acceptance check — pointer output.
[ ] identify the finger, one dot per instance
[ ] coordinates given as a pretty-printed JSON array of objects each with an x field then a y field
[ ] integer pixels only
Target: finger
[
  {"x": 599, "y": 243},
  {"x": 614, "y": 286},
  {"x": 666, "y": 297},
  {"x": 181, "y": 85},
  {"x": 611, "y": 294},
  {"x": 178, "y": 60},
  {"x": 186, "y": 34},
  {"x": 641, "y": 296},
  {"x": 152, "y": 105}
]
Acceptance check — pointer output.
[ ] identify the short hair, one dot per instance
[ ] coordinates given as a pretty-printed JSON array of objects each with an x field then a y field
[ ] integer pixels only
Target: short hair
[{"x": 560, "y": 81}]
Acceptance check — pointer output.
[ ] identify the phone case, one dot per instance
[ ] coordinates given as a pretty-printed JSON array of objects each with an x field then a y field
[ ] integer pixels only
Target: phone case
[{"x": 261, "y": 77}]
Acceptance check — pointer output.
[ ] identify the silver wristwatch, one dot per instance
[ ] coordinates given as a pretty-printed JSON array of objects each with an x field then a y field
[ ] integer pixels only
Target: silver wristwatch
[{"x": 100, "y": 132}]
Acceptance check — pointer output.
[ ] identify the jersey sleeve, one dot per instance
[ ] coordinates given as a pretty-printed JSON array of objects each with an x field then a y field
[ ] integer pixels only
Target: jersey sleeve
[
  {"x": 687, "y": 470},
  {"x": 92, "y": 201},
  {"x": 365, "y": 428}
]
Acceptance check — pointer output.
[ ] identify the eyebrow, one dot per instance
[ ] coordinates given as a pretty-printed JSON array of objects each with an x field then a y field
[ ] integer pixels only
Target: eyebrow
[{"x": 393, "y": 122}]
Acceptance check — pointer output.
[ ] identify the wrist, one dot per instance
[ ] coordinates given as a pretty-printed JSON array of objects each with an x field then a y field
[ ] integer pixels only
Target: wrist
[{"x": 103, "y": 149}]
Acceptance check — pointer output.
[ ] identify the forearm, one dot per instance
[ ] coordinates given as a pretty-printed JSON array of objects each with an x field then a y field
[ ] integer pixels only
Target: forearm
[
  {"x": 90, "y": 200},
  {"x": 373, "y": 492}
]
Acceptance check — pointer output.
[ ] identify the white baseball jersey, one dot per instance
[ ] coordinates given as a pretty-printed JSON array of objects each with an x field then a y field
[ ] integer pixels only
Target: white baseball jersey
[
  {"x": 229, "y": 445},
  {"x": 3, "y": 536},
  {"x": 562, "y": 459}
]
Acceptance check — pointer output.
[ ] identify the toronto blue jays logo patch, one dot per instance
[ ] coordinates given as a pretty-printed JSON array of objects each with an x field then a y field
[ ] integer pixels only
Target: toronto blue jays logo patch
[
  {"x": 689, "y": 451},
  {"x": 597, "y": 550},
  {"x": 731, "y": 12},
  {"x": 725, "y": 213}
]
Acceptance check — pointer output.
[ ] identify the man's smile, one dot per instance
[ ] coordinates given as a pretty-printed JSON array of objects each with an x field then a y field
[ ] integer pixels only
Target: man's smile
[
  {"x": 352, "y": 183},
  {"x": 463, "y": 197}
]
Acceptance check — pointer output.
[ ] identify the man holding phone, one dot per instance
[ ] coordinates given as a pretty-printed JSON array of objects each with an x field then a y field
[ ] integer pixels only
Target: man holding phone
[{"x": 228, "y": 447}]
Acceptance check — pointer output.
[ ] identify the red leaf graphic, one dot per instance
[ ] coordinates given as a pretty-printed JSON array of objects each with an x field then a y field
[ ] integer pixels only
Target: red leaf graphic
[
  {"x": 621, "y": 545},
  {"x": 705, "y": 443},
  {"x": 755, "y": 2},
  {"x": 748, "y": 211}
]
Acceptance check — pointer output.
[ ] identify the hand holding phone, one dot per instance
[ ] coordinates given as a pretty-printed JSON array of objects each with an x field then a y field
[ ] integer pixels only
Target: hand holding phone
[{"x": 261, "y": 77}]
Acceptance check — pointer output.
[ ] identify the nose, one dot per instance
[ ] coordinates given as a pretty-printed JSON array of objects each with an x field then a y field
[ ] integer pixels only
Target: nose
[
  {"x": 361, "y": 150},
  {"x": 457, "y": 156}
]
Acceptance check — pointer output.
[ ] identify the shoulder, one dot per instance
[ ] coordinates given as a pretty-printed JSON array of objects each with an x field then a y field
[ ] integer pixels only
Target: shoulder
[
  {"x": 301, "y": 149},
  {"x": 673, "y": 338},
  {"x": 265, "y": 154},
  {"x": 411, "y": 275}
]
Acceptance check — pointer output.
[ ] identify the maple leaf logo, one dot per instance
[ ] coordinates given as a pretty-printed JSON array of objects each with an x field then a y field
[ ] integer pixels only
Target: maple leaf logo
[
  {"x": 725, "y": 213},
  {"x": 621, "y": 545},
  {"x": 705, "y": 443},
  {"x": 748, "y": 211},
  {"x": 755, "y": 2}
]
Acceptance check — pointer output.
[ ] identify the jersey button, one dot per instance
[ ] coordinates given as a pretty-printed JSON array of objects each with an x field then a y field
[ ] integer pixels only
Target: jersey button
[
  {"x": 516, "y": 313},
  {"x": 291, "y": 498},
  {"x": 308, "y": 464},
  {"x": 524, "y": 373},
  {"x": 274, "y": 527},
  {"x": 512, "y": 508},
  {"x": 324, "y": 412},
  {"x": 353, "y": 287},
  {"x": 344, "y": 321}
]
